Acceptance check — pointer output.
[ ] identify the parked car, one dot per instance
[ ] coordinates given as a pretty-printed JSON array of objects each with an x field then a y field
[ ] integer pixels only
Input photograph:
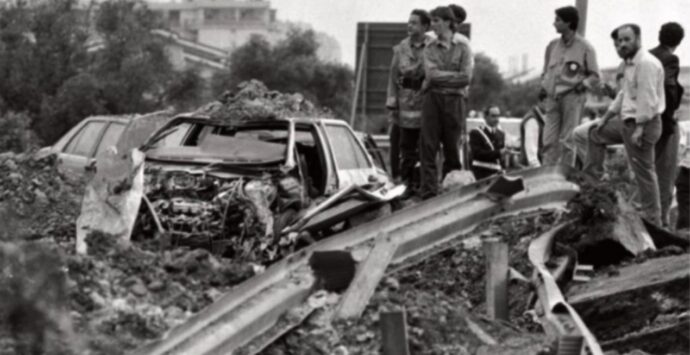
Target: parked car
[
  {"x": 78, "y": 148},
  {"x": 211, "y": 183}
]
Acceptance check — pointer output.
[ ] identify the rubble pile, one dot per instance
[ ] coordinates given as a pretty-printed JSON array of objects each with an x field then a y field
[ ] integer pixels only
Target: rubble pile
[
  {"x": 253, "y": 100},
  {"x": 124, "y": 296},
  {"x": 35, "y": 198},
  {"x": 107, "y": 302}
]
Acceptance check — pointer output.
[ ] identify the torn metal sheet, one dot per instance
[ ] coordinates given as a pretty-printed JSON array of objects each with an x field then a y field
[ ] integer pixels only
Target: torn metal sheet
[
  {"x": 629, "y": 230},
  {"x": 112, "y": 198},
  {"x": 561, "y": 320},
  {"x": 140, "y": 128}
]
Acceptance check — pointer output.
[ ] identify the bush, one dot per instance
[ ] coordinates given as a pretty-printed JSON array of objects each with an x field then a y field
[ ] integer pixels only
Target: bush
[
  {"x": 291, "y": 66},
  {"x": 79, "y": 97},
  {"x": 15, "y": 133}
]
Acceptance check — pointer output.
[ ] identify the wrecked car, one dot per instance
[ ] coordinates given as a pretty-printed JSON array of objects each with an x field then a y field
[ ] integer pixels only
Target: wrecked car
[{"x": 264, "y": 183}]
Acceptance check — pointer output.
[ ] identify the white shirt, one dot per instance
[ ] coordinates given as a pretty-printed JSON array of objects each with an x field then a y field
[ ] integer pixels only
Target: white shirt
[
  {"x": 642, "y": 96},
  {"x": 685, "y": 154},
  {"x": 532, "y": 142}
]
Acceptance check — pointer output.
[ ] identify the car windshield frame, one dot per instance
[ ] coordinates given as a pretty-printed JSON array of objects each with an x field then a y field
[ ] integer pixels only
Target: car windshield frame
[{"x": 205, "y": 129}]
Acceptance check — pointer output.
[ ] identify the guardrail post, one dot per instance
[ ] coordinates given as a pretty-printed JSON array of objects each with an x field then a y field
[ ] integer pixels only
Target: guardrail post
[
  {"x": 496, "y": 279},
  {"x": 369, "y": 273},
  {"x": 394, "y": 333}
]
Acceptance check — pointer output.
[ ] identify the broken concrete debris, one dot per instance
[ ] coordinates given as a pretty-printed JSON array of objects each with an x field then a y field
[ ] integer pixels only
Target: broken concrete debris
[{"x": 121, "y": 295}]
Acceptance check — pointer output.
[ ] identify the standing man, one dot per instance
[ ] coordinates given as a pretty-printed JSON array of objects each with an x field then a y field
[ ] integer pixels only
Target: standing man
[
  {"x": 447, "y": 69},
  {"x": 570, "y": 68},
  {"x": 404, "y": 92},
  {"x": 487, "y": 144},
  {"x": 666, "y": 149},
  {"x": 531, "y": 134},
  {"x": 640, "y": 104}
]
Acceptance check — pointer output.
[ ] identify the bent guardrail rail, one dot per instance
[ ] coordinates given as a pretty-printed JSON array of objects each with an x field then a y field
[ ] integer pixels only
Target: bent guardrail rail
[
  {"x": 251, "y": 309},
  {"x": 561, "y": 321}
]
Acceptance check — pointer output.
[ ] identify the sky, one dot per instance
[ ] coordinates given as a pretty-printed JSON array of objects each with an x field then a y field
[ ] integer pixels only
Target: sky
[{"x": 500, "y": 28}]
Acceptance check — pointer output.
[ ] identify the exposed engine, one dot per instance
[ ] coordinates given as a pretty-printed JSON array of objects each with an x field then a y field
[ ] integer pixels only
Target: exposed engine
[{"x": 225, "y": 213}]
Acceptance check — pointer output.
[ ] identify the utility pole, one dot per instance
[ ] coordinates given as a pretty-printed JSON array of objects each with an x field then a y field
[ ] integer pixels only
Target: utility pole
[{"x": 581, "y": 6}]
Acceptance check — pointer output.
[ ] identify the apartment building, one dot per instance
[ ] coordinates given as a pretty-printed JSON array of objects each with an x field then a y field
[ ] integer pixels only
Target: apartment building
[{"x": 224, "y": 24}]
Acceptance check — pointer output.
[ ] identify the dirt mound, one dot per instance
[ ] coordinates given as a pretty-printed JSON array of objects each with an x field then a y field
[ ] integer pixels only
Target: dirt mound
[
  {"x": 253, "y": 100},
  {"x": 127, "y": 295},
  {"x": 36, "y": 199}
]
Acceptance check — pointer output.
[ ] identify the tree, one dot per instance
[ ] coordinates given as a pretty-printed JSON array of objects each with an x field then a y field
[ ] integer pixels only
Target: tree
[
  {"x": 48, "y": 71},
  {"x": 185, "y": 91},
  {"x": 489, "y": 88},
  {"x": 132, "y": 65},
  {"x": 520, "y": 97},
  {"x": 487, "y": 83},
  {"x": 40, "y": 48},
  {"x": 78, "y": 97},
  {"x": 290, "y": 66}
]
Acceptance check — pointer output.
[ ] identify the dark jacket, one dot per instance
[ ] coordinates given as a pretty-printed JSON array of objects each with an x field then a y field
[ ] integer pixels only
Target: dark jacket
[
  {"x": 672, "y": 88},
  {"x": 486, "y": 148}
]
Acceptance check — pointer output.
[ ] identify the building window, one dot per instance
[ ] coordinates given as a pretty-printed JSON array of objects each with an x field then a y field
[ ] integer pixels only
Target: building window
[
  {"x": 210, "y": 14},
  {"x": 250, "y": 15}
]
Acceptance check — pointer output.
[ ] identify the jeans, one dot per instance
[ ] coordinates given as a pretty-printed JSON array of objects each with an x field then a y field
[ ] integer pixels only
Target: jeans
[
  {"x": 409, "y": 155},
  {"x": 563, "y": 114},
  {"x": 394, "y": 133},
  {"x": 442, "y": 116},
  {"x": 666, "y": 156},
  {"x": 581, "y": 140},
  {"x": 610, "y": 134},
  {"x": 683, "y": 198},
  {"x": 642, "y": 161}
]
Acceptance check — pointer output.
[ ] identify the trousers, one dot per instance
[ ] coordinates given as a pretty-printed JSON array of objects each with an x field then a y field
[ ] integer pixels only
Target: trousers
[{"x": 442, "y": 116}]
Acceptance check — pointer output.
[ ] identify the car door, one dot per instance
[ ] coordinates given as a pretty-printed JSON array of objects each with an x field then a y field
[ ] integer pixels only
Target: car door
[
  {"x": 81, "y": 147},
  {"x": 353, "y": 166},
  {"x": 110, "y": 137}
]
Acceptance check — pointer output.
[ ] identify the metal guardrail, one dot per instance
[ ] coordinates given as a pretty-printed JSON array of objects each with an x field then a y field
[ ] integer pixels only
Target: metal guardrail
[
  {"x": 560, "y": 320},
  {"x": 253, "y": 308}
]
